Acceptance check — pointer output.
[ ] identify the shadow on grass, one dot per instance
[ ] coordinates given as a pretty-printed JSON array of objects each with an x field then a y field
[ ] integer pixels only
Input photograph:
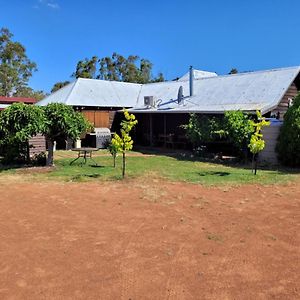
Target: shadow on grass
[
  {"x": 211, "y": 173},
  {"x": 82, "y": 177},
  {"x": 232, "y": 162}
]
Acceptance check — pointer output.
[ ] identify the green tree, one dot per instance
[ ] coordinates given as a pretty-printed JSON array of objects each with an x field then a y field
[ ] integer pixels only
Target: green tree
[
  {"x": 58, "y": 85},
  {"x": 239, "y": 130},
  {"x": 257, "y": 144},
  {"x": 288, "y": 147},
  {"x": 113, "y": 151},
  {"x": 86, "y": 68},
  {"x": 203, "y": 129},
  {"x": 233, "y": 71},
  {"x": 15, "y": 67},
  {"x": 30, "y": 93},
  {"x": 123, "y": 142},
  {"x": 62, "y": 121},
  {"x": 18, "y": 123},
  {"x": 130, "y": 69},
  {"x": 117, "y": 68}
]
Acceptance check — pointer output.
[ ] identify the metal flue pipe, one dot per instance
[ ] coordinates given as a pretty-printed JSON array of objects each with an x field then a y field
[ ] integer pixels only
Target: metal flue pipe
[{"x": 191, "y": 81}]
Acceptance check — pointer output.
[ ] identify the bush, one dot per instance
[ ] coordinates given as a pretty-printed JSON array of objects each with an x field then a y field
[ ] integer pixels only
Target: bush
[
  {"x": 239, "y": 129},
  {"x": 18, "y": 123},
  {"x": 288, "y": 146},
  {"x": 203, "y": 129}
]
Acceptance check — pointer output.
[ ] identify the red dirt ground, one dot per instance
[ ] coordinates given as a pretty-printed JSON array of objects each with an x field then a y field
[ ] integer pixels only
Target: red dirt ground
[{"x": 158, "y": 240}]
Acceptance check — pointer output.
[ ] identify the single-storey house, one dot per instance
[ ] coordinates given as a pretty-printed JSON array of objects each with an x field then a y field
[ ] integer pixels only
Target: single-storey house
[{"x": 162, "y": 107}]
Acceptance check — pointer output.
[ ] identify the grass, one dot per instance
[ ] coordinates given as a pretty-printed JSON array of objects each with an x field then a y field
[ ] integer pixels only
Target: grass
[{"x": 159, "y": 166}]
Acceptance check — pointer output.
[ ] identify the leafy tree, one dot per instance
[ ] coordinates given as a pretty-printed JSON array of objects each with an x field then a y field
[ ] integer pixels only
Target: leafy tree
[
  {"x": 239, "y": 130},
  {"x": 18, "y": 123},
  {"x": 86, "y": 68},
  {"x": 288, "y": 146},
  {"x": 117, "y": 68},
  {"x": 62, "y": 121},
  {"x": 113, "y": 151},
  {"x": 15, "y": 67},
  {"x": 30, "y": 93},
  {"x": 130, "y": 69},
  {"x": 58, "y": 85},
  {"x": 233, "y": 71},
  {"x": 203, "y": 129},
  {"x": 123, "y": 142},
  {"x": 257, "y": 144}
]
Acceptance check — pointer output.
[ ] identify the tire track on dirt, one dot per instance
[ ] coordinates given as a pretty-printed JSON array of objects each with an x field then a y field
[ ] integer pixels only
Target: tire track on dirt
[
  {"x": 128, "y": 270},
  {"x": 171, "y": 291}
]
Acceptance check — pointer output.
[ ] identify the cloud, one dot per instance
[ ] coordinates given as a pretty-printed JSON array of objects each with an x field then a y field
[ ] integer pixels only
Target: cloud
[
  {"x": 47, "y": 3},
  {"x": 53, "y": 5}
]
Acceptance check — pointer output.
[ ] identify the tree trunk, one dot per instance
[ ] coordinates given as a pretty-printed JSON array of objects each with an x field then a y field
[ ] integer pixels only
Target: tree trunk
[
  {"x": 124, "y": 165},
  {"x": 114, "y": 157},
  {"x": 50, "y": 161},
  {"x": 255, "y": 167},
  {"x": 254, "y": 164}
]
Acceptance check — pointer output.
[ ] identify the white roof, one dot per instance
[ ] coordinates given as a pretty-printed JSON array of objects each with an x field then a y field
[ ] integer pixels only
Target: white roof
[
  {"x": 250, "y": 91},
  {"x": 94, "y": 92},
  {"x": 261, "y": 90}
]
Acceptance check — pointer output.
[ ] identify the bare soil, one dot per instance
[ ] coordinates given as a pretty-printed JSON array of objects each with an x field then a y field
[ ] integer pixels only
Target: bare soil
[{"x": 141, "y": 240}]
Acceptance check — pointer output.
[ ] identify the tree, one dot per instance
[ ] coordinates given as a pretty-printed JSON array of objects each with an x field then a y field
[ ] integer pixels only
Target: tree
[
  {"x": 18, "y": 123},
  {"x": 288, "y": 147},
  {"x": 86, "y": 68},
  {"x": 117, "y": 68},
  {"x": 62, "y": 121},
  {"x": 239, "y": 130},
  {"x": 257, "y": 144},
  {"x": 58, "y": 85},
  {"x": 30, "y": 93},
  {"x": 233, "y": 71},
  {"x": 203, "y": 129},
  {"x": 130, "y": 69},
  {"x": 113, "y": 151},
  {"x": 124, "y": 142},
  {"x": 15, "y": 67}
]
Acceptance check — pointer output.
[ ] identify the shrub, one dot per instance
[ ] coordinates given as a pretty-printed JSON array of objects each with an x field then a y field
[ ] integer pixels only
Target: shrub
[
  {"x": 257, "y": 143},
  {"x": 203, "y": 129},
  {"x": 18, "y": 123},
  {"x": 239, "y": 129},
  {"x": 288, "y": 146},
  {"x": 123, "y": 142}
]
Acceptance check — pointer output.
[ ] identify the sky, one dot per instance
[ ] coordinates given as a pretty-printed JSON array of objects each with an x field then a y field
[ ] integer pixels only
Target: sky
[{"x": 211, "y": 35}]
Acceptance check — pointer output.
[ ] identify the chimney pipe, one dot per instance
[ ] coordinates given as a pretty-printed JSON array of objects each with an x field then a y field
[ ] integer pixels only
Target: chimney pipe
[{"x": 191, "y": 81}]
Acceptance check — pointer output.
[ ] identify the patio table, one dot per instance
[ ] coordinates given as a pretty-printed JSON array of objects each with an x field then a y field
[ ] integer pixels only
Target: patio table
[{"x": 84, "y": 153}]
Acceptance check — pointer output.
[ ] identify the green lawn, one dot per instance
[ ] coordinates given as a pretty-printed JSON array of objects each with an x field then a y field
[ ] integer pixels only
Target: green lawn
[{"x": 172, "y": 168}]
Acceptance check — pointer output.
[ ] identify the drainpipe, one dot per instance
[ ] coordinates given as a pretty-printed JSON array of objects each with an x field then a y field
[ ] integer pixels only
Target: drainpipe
[{"x": 191, "y": 81}]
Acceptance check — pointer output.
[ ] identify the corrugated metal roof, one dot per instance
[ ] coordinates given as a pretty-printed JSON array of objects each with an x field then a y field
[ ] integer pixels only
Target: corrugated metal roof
[
  {"x": 250, "y": 91},
  {"x": 94, "y": 92}
]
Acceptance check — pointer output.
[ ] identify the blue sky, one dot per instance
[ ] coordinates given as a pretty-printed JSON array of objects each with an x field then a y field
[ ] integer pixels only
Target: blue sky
[{"x": 212, "y": 35}]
